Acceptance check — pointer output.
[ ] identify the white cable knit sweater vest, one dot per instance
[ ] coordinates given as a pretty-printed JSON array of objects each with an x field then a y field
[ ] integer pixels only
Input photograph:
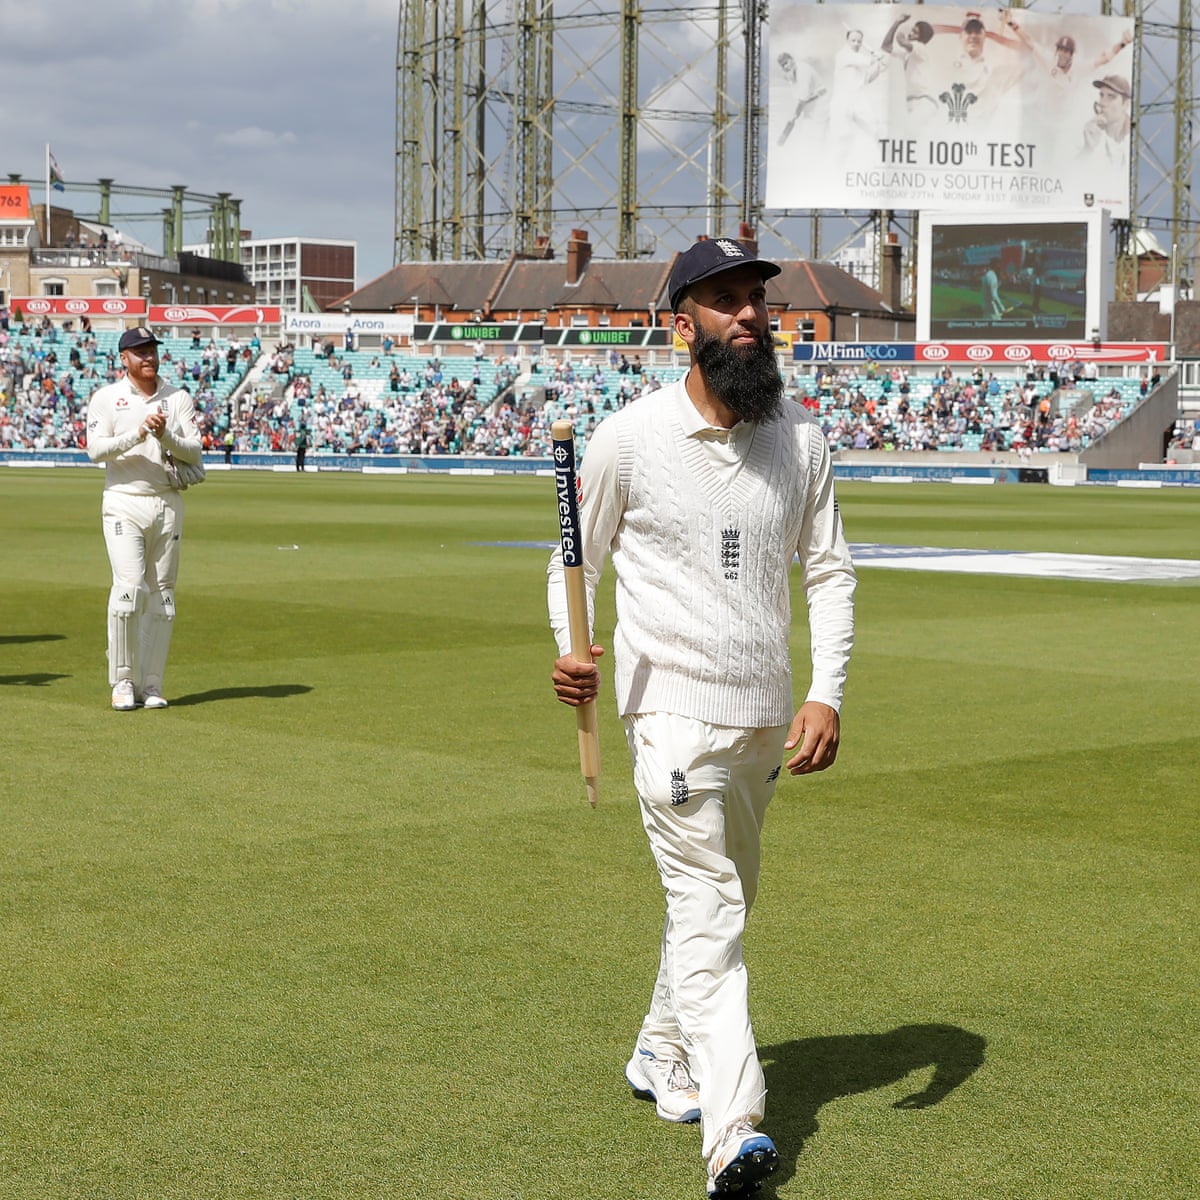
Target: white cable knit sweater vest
[{"x": 703, "y": 608}]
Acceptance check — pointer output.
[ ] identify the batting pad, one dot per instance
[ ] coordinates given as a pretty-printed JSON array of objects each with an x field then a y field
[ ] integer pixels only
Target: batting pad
[
  {"x": 154, "y": 638},
  {"x": 123, "y": 605}
]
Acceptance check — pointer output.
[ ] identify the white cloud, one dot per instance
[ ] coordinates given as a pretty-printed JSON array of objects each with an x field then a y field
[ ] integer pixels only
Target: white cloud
[
  {"x": 216, "y": 95},
  {"x": 252, "y": 137}
]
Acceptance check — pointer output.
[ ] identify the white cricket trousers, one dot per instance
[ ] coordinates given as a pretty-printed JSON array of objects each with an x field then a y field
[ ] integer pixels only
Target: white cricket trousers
[
  {"x": 142, "y": 536},
  {"x": 704, "y": 791}
]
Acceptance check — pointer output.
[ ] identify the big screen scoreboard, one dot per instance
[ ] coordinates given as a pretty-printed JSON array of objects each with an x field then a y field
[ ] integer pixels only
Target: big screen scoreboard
[{"x": 985, "y": 276}]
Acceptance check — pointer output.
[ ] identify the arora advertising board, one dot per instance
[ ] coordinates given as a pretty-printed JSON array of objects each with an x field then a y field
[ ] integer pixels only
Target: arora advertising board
[
  {"x": 401, "y": 324},
  {"x": 932, "y": 107}
]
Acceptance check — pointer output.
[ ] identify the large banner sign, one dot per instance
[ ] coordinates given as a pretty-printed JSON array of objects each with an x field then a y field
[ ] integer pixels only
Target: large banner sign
[
  {"x": 80, "y": 306},
  {"x": 931, "y": 107},
  {"x": 214, "y": 314},
  {"x": 1010, "y": 354}
]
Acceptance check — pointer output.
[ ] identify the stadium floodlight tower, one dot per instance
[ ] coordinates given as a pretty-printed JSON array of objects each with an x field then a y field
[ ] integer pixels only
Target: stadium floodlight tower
[{"x": 517, "y": 121}]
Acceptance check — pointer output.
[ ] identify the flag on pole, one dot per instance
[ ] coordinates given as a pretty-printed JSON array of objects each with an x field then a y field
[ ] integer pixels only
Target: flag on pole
[{"x": 56, "y": 179}]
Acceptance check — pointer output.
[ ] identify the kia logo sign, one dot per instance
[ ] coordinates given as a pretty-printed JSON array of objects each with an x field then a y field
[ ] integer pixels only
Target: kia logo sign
[
  {"x": 934, "y": 353},
  {"x": 979, "y": 353},
  {"x": 175, "y": 314},
  {"x": 1017, "y": 353},
  {"x": 115, "y": 306},
  {"x": 76, "y": 306},
  {"x": 38, "y": 306},
  {"x": 1059, "y": 351}
]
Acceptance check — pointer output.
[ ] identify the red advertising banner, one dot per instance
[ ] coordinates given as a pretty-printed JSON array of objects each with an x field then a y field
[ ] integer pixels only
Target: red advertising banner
[
  {"x": 80, "y": 306},
  {"x": 1012, "y": 354},
  {"x": 215, "y": 314},
  {"x": 1034, "y": 352},
  {"x": 14, "y": 202}
]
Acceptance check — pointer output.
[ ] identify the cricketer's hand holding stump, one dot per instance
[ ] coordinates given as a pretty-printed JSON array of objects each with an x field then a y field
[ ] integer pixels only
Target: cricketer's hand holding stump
[{"x": 582, "y": 653}]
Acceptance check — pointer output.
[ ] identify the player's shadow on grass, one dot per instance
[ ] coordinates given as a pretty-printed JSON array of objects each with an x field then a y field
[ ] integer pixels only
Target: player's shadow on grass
[
  {"x": 804, "y": 1075},
  {"x": 278, "y": 691},
  {"x": 30, "y": 680},
  {"x": 21, "y": 639}
]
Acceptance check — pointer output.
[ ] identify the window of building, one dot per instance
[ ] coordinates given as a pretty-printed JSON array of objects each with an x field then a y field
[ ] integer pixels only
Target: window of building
[{"x": 54, "y": 287}]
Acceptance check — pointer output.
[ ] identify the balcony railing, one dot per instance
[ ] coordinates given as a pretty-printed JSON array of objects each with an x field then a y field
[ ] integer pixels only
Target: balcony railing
[{"x": 90, "y": 257}]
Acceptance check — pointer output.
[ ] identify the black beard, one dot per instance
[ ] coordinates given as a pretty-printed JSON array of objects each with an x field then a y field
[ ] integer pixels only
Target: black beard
[{"x": 746, "y": 381}]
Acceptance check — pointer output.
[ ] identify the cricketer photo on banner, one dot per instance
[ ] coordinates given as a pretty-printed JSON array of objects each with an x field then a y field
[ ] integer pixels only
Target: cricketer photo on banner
[{"x": 931, "y": 107}]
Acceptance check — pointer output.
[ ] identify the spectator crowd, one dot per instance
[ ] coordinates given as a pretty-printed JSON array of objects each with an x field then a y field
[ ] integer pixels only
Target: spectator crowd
[
  {"x": 48, "y": 374},
  {"x": 883, "y": 408},
  {"x": 385, "y": 403}
]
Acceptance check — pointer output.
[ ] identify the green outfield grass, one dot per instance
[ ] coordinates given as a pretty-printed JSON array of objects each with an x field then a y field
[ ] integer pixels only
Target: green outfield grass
[
  {"x": 949, "y": 302},
  {"x": 340, "y": 925}
]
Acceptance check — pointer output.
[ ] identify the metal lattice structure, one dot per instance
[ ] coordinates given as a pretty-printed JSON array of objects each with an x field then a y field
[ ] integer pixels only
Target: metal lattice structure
[
  {"x": 1166, "y": 104},
  {"x": 644, "y": 123},
  {"x": 518, "y": 120},
  {"x": 220, "y": 213}
]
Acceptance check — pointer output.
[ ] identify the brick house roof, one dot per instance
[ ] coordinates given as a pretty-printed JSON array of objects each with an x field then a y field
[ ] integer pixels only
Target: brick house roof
[{"x": 624, "y": 290}]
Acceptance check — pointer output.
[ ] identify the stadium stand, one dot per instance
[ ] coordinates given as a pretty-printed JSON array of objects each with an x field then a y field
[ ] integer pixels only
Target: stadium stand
[
  {"x": 937, "y": 411},
  {"x": 370, "y": 401},
  {"x": 358, "y": 401},
  {"x": 48, "y": 373},
  {"x": 1185, "y": 442}
]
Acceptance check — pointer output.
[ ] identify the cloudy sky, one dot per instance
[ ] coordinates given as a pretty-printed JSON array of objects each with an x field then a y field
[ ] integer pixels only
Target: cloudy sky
[{"x": 288, "y": 105}]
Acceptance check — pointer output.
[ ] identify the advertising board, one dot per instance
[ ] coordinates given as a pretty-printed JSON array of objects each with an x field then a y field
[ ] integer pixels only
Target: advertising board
[
  {"x": 80, "y": 306},
  {"x": 924, "y": 106},
  {"x": 996, "y": 354},
  {"x": 340, "y": 323},
  {"x": 214, "y": 314},
  {"x": 14, "y": 202}
]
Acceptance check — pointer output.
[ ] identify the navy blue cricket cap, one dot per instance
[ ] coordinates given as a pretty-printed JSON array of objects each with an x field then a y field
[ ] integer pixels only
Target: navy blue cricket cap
[
  {"x": 139, "y": 335},
  {"x": 710, "y": 257}
]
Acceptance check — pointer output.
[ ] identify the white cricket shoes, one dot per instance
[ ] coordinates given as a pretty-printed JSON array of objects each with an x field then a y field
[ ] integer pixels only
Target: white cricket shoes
[
  {"x": 122, "y": 696},
  {"x": 743, "y": 1159},
  {"x": 667, "y": 1082},
  {"x": 153, "y": 698}
]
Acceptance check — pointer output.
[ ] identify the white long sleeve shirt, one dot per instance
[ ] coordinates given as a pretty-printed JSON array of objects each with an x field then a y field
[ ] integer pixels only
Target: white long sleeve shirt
[
  {"x": 703, "y": 525},
  {"x": 133, "y": 463}
]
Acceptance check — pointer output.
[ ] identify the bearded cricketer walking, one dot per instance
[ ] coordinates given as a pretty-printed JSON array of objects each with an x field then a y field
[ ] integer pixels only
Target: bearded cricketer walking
[{"x": 704, "y": 493}]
